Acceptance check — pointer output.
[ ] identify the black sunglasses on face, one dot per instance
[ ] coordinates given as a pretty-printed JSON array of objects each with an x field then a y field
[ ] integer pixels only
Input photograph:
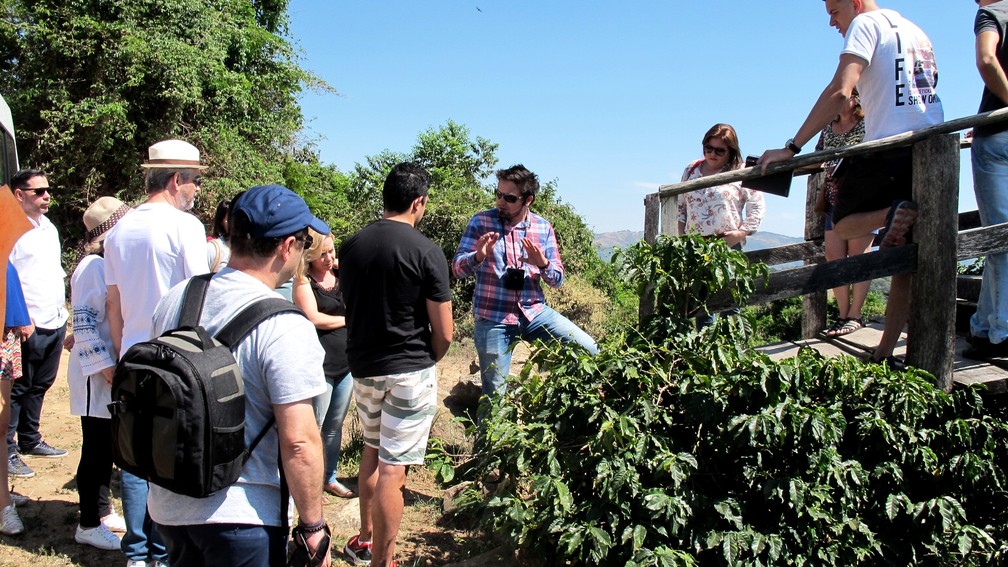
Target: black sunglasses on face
[
  {"x": 307, "y": 239},
  {"x": 507, "y": 197},
  {"x": 39, "y": 190},
  {"x": 709, "y": 149}
]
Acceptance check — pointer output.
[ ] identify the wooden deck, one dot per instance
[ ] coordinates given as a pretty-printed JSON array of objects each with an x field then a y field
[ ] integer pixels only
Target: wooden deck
[{"x": 862, "y": 341}]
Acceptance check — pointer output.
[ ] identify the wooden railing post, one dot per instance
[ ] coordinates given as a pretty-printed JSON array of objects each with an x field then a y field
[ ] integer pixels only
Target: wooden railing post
[
  {"x": 931, "y": 336},
  {"x": 670, "y": 215},
  {"x": 813, "y": 304}
]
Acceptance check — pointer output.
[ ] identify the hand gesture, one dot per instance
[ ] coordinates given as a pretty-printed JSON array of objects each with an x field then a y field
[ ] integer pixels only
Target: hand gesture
[
  {"x": 533, "y": 254},
  {"x": 485, "y": 244}
]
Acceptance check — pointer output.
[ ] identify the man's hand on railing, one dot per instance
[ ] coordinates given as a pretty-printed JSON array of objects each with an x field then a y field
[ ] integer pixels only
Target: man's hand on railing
[{"x": 773, "y": 156}]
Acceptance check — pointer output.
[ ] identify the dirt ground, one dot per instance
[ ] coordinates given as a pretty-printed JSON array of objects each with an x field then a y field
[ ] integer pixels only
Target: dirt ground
[{"x": 426, "y": 537}]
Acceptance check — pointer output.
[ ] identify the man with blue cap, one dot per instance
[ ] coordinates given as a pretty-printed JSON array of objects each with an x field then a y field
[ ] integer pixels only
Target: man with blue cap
[{"x": 281, "y": 364}]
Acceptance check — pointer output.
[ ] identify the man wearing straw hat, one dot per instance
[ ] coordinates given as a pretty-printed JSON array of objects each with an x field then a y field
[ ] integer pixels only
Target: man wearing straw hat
[
  {"x": 155, "y": 247},
  {"x": 37, "y": 259}
]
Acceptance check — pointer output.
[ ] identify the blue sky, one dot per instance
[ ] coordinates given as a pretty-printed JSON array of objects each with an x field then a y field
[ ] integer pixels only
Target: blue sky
[{"x": 610, "y": 99}]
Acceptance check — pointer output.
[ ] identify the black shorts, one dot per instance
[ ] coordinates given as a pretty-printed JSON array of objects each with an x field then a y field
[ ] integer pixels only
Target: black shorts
[{"x": 871, "y": 183}]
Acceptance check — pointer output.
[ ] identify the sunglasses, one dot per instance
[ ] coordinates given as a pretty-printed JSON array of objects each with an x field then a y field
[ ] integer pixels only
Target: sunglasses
[
  {"x": 507, "y": 197},
  {"x": 709, "y": 149},
  {"x": 307, "y": 239},
  {"x": 39, "y": 191}
]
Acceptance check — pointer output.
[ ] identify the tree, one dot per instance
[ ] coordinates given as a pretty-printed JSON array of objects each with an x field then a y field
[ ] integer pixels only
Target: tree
[{"x": 92, "y": 83}]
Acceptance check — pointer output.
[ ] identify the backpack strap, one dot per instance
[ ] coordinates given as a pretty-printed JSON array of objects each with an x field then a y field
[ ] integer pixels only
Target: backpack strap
[
  {"x": 192, "y": 303},
  {"x": 250, "y": 317}
]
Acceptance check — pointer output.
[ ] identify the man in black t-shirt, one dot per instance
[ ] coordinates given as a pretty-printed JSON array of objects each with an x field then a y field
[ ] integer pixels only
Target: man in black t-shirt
[{"x": 399, "y": 324}]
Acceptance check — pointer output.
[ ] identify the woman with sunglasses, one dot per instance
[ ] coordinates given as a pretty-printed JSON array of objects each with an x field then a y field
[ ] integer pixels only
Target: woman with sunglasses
[{"x": 718, "y": 211}]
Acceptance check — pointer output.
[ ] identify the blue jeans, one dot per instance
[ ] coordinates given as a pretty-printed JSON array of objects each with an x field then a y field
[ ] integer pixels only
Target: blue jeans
[
  {"x": 493, "y": 343},
  {"x": 234, "y": 545},
  {"x": 990, "y": 182},
  {"x": 142, "y": 542},
  {"x": 330, "y": 411}
]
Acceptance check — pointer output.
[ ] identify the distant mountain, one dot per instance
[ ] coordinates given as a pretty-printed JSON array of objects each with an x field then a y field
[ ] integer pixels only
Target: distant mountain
[{"x": 606, "y": 241}]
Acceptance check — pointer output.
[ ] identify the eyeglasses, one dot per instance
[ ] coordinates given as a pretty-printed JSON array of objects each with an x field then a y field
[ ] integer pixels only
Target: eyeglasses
[
  {"x": 198, "y": 181},
  {"x": 507, "y": 197},
  {"x": 307, "y": 239},
  {"x": 709, "y": 149}
]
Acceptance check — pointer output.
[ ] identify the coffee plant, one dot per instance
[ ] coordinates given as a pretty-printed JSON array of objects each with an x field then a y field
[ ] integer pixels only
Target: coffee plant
[{"x": 678, "y": 446}]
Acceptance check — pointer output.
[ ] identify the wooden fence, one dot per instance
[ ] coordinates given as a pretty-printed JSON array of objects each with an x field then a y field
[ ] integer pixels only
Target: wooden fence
[{"x": 938, "y": 242}]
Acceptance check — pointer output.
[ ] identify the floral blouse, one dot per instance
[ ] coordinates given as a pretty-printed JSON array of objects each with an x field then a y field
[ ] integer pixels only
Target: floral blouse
[
  {"x": 827, "y": 139},
  {"x": 717, "y": 210}
]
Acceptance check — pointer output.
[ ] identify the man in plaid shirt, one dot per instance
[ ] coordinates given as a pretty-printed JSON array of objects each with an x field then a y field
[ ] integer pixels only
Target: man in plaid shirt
[{"x": 510, "y": 250}]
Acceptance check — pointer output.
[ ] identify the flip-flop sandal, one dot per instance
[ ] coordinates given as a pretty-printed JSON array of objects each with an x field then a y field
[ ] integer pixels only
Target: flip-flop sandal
[
  {"x": 849, "y": 327},
  {"x": 832, "y": 330},
  {"x": 901, "y": 217},
  {"x": 338, "y": 490}
]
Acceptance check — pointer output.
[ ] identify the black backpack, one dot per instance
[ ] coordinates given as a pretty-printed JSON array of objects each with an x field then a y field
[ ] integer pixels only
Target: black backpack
[{"x": 178, "y": 400}]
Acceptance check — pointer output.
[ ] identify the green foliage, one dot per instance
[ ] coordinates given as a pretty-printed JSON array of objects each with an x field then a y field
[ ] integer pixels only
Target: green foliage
[
  {"x": 974, "y": 268},
  {"x": 92, "y": 84},
  {"x": 686, "y": 448}
]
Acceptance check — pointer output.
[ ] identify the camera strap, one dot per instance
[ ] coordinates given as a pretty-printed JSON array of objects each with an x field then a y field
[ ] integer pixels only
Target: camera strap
[{"x": 514, "y": 246}]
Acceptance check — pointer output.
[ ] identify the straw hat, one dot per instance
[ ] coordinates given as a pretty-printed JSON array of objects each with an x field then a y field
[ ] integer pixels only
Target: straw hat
[
  {"x": 101, "y": 216},
  {"x": 173, "y": 154}
]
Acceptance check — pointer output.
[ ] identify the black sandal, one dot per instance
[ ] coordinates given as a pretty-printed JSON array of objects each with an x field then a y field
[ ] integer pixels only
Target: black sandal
[
  {"x": 852, "y": 324},
  {"x": 833, "y": 329}
]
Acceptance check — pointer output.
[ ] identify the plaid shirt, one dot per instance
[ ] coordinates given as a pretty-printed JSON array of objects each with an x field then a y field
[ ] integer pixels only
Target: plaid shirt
[{"x": 491, "y": 300}]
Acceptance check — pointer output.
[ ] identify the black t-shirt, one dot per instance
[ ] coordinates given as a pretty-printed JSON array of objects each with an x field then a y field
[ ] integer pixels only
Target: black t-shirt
[
  {"x": 993, "y": 18},
  {"x": 330, "y": 302},
  {"x": 388, "y": 271}
]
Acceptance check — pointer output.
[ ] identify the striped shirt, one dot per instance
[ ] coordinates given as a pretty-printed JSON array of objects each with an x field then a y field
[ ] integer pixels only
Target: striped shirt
[{"x": 491, "y": 300}]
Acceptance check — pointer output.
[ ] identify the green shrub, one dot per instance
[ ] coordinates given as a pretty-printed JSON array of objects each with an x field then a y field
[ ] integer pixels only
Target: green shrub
[{"x": 675, "y": 446}]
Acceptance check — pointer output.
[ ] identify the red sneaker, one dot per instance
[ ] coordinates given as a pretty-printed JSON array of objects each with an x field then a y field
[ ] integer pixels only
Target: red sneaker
[{"x": 358, "y": 552}]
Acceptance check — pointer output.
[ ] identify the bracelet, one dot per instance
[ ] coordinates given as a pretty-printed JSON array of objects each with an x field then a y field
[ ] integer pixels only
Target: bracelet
[{"x": 312, "y": 528}]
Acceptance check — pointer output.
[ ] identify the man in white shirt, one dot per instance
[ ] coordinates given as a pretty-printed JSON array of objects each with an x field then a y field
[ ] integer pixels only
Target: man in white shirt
[
  {"x": 37, "y": 259},
  {"x": 149, "y": 251},
  {"x": 892, "y": 63}
]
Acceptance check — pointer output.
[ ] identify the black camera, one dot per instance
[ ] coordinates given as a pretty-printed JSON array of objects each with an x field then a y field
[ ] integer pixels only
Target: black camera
[
  {"x": 750, "y": 161},
  {"x": 514, "y": 278}
]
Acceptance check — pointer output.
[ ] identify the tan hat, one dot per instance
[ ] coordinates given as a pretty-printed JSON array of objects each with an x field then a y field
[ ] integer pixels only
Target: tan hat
[
  {"x": 101, "y": 216},
  {"x": 173, "y": 154}
]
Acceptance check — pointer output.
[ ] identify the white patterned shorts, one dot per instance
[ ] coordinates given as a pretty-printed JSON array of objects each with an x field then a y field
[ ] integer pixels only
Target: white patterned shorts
[{"x": 396, "y": 412}]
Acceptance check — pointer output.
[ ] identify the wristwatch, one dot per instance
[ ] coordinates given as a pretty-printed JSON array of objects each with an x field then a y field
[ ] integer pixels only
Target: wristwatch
[{"x": 792, "y": 146}]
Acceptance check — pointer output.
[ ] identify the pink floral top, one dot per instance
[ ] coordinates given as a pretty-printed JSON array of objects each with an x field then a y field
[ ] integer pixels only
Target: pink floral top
[{"x": 716, "y": 210}]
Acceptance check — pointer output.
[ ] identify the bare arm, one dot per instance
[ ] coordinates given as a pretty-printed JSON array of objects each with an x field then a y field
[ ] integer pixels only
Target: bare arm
[
  {"x": 305, "y": 299},
  {"x": 442, "y": 327},
  {"x": 990, "y": 68},
  {"x": 826, "y": 108},
  {"x": 301, "y": 455},
  {"x": 114, "y": 315}
]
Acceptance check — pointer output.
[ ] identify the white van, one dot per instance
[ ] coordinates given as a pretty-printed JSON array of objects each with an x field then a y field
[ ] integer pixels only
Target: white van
[{"x": 8, "y": 149}]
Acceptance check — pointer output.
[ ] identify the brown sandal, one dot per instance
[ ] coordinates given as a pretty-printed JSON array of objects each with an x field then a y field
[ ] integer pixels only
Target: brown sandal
[{"x": 850, "y": 325}]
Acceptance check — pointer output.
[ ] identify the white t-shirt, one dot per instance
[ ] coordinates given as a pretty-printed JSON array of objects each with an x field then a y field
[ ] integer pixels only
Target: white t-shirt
[
  {"x": 281, "y": 363},
  {"x": 37, "y": 259},
  {"x": 147, "y": 252},
  {"x": 898, "y": 86},
  {"x": 93, "y": 350}
]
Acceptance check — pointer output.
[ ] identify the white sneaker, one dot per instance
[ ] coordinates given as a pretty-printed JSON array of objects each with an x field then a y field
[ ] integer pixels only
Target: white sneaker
[
  {"x": 10, "y": 522},
  {"x": 99, "y": 537},
  {"x": 114, "y": 522}
]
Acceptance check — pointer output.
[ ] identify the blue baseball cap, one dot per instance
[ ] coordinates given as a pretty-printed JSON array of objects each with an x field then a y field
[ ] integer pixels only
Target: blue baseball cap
[{"x": 275, "y": 211}]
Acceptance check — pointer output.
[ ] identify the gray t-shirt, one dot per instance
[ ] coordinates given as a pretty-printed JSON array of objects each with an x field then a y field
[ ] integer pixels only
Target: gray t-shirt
[{"x": 281, "y": 361}]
